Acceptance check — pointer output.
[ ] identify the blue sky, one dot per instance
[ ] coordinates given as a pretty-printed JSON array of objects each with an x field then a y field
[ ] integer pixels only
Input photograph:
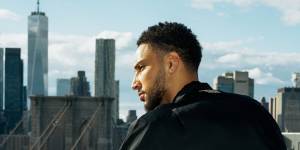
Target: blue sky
[{"x": 260, "y": 36}]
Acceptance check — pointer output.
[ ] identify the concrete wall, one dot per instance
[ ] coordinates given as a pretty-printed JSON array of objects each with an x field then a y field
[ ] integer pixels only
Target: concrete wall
[
  {"x": 292, "y": 140},
  {"x": 78, "y": 112}
]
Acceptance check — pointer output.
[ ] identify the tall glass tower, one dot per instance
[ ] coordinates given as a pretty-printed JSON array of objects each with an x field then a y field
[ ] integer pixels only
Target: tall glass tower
[
  {"x": 13, "y": 86},
  {"x": 1, "y": 79},
  {"x": 37, "y": 53}
]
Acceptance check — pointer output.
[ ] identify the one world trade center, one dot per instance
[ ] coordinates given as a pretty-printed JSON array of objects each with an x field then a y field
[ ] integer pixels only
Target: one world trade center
[{"x": 37, "y": 53}]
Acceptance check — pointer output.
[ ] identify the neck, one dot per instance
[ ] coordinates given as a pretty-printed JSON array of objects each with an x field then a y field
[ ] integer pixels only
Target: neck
[{"x": 177, "y": 84}]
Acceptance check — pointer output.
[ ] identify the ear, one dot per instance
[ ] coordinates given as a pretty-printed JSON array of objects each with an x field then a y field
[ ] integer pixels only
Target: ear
[{"x": 172, "y": 62}]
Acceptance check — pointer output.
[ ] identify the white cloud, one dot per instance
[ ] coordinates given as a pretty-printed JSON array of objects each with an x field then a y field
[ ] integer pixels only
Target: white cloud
[
  {"x": 263, "y": 78},
  {"x": 17, "y": 40},
  {"x": 126, "y": 59},
  {"x": 210, "y": 4},
  {"x": 259, "y": 59},
  {"x": 8, "y": 15},
  {"x": 230, "y": 58},
  {"x": 222, "y": 45},
  {"x": 230, "y": 46},
  {"x": 236, "y": 54},
  {"x": 203, "y": 4},
  {"x": 291, "y": 17},
  {"x": 290, "y": 9}
]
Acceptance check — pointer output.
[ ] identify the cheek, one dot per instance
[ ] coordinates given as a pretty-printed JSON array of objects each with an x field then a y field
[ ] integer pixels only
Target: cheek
[{"x": 147, "y": 77}]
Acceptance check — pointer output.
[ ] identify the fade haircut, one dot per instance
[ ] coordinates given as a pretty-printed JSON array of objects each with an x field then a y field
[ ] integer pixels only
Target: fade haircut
[{"x": 172, "y": 36}]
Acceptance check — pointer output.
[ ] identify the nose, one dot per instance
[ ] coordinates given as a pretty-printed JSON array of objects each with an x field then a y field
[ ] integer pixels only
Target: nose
[{"x": 135, "y": 85}]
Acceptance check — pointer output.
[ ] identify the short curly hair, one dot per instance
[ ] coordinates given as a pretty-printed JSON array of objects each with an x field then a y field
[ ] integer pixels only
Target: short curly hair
[{"x": 172, "y": 36}]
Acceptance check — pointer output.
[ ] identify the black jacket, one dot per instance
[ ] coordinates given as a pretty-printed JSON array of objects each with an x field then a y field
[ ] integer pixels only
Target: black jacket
[{"x": 204, "y": 119}]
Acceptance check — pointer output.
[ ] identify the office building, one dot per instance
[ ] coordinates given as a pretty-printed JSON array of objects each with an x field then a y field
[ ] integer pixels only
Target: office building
[
  {"x": 105, "y": 84},
  {"x": 286, "y": 109},
  {"x": 63, "y": 87},
  {"x": 224, "y": 83},
  {"x": 235, "y": 82},
  {"x": 264, "y": 103},
  {"x": 37, "y": 82},
  {"x": 24, "y": 98},
  {"x": 3, "y": 123},
  {"x": 13, "y": 86},
  {"x": 271, "y": 106},
  {"x": 119, "y": 134},
  {"x": 1, "y": 79},
  {"x": 131, "y": 116},
  {"x": 296, "y": 79},
  {"x": 105, "y": 67},
  {"x": 115, "y": 103},
  {"x": 79, "y": 85}
]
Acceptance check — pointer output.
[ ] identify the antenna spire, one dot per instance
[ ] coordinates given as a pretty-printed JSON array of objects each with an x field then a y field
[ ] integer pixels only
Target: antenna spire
[{"x": 38, "y": 6}]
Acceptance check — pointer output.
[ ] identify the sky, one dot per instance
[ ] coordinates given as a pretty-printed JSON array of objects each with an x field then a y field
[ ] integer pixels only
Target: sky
[{"x": 258, "y": 36}]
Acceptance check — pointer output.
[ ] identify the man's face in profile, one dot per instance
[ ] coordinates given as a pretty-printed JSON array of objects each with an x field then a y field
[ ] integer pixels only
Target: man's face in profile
[{"x": 149, "y": 79}]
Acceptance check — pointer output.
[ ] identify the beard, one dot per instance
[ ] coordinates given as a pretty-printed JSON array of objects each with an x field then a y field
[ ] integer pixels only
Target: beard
[{"x": 156, "y": 92}]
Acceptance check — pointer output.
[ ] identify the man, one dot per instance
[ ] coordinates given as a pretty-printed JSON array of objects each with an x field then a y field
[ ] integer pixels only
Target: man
[{"x": 185, "y": 114}]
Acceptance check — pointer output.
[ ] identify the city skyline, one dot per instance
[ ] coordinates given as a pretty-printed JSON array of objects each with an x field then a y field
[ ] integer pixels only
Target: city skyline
[{"x": 260, "y": 35}]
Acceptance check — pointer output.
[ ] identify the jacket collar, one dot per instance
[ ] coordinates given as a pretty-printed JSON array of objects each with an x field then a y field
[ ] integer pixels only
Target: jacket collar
[{"x": 193, "y": 86}]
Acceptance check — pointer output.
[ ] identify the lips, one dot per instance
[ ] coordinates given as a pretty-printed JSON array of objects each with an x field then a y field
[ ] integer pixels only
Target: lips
[{"x": 142, "y": 96}]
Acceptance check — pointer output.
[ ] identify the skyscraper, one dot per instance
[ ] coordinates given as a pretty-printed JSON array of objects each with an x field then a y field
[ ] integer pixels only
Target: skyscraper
[
  {"x": 286, "y": 109},
  {"x": 264, "y": 103},
  {"x": 63, "y": 87},
  {"x": 79, "y": 85},
  {"x": 24, "y": 94},
  {"x": 2, "y": 118},
  {"x": 115, "y": 103},
  {"x": 243, "y": 84},
  {"x": 131, "y": 116},
  {"x": 13, "y": 86},
  {"x": 235, "y": 82},
  {"x": 1, "y": 79},
  {"x": 37, "y": 53},
  {"x": 224, "y": 83},
  {"x": 105, "y": 84},
  {"x": 105, "y": 67},
  {"x": 296, "y": 79}
]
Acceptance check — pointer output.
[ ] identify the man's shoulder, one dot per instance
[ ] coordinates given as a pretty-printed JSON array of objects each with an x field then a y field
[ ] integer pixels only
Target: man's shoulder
[
  {"x": 207, "y": 104},
  {"x": 219, "y": 99}
]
